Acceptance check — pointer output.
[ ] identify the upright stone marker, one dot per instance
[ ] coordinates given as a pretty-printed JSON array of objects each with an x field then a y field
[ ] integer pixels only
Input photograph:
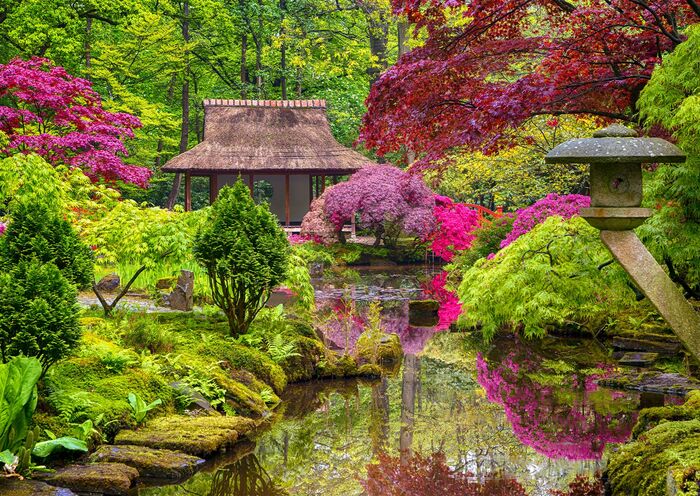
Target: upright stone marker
[
  {"x": 182, "y": 296},
  {"x": 616, "y": 155}
]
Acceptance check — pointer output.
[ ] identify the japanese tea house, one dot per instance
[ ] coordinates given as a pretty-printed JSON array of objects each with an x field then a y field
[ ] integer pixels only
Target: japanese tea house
[{"x": 287, "y": 143}]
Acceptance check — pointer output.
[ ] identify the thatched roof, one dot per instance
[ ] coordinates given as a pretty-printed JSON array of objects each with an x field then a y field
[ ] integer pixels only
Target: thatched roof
[{"x": 265, "y": 136}]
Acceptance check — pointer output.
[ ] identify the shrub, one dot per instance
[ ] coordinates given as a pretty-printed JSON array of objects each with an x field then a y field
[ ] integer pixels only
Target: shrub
[
  {"x": 245, "y": 254},
  {"x": 455, "y": 224},
  {"x": 556, "y": 273},
  {"x": 317, "y": 226},
  {"x": 38, "y": 313},
  {"x": 36, "y": 231}
]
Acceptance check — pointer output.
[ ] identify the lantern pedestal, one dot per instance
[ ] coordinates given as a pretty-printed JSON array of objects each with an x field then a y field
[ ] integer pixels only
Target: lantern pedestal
[{"x": 615, "y": 219}]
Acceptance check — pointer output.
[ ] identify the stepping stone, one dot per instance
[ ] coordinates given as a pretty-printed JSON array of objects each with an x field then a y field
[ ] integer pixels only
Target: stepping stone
[
  {"x": 670, "y": 346},
  {"x": 199, "y": 436},
  {"x": 653, "y": 382},
  {"x": 638, "y": 359},
  {"x": 102, "y": 478},
  {"x": 151, "y": 463},
  {"x": 16, "y": 487}
]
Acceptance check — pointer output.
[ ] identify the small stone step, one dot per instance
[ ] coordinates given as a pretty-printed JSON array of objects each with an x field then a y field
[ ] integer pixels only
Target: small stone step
[
  {"x": 102, "y": 478},
  {"x": 653, "y": 382},
  {"x": 16, "y": 487},
  {"x": 151, "y": 463},
  {"x": 670, "y": 346},
  {"x": 638, "y": 359}
]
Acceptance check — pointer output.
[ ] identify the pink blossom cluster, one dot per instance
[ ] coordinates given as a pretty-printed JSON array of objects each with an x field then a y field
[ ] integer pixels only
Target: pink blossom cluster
[
  {"x": 61, "y": 118},
  {"x": 382, "y": 194},
  {"x": 450, "y": 306},
  {"x": 316, "y": 225},
  {"x": 565, "y": 206},
  {"x": 455, "y": 224},
  {"x": 299, "y": 239},
  {"x": 554, "y": 424},
  {"x": 3, "y": 227}
]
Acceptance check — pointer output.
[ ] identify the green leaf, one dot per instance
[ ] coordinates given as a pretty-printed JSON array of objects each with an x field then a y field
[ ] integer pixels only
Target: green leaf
[{"x": 46, "y": 448}]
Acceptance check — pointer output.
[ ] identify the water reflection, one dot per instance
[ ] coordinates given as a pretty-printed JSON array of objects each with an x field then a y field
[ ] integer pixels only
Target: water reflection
[{"x": 245, "y": 477}]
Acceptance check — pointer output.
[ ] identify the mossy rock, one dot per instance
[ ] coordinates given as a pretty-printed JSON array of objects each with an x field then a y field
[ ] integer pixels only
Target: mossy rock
[
  {"x": 16, "y": 487},
  {"x": 242, "y": 398},
  {"x": 641, "y": 468},
  {"x": 151, "y": 463},
  {"x": 199, "y": 436},
  {"x": 166, "y": 282},
  {"x": 386, "y": 350},
  {"x": 303, "y": 367},
  {"x": 101, "y": 478},
  {"x": 241, "y": 357}
]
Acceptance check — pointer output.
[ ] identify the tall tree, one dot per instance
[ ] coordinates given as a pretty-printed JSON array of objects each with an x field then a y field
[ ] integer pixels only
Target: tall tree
[{"x": 488, "y": 66}]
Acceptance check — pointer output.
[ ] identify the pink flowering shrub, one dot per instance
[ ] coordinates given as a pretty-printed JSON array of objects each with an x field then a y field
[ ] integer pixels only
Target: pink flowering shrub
[
  {"x": 60, "y": 117},
  {"x": 450, "y": 307},
  {"x": 3, "y": 227},
  {"x": 548, "y": 418},
  {"x": 388, "y": 201},
  {"x": 316, "y": 225},
  {"x": 455, "y": 224},
  {"x": 565, "y": 206}
]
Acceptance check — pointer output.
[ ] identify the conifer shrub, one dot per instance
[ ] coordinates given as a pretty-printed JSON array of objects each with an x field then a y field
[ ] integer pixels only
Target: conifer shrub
[{"x": 245, "y": 254}]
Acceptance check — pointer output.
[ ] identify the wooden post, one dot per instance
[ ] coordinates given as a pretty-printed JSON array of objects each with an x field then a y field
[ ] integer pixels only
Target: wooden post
[
  {"x": 286, "y": 200},
  {"x": 311, "y": 188},
  {"x": 323, "y": 183},
  {"x": 251, "y": 183},
  {"x": 188, "y": 192},
  {"x": 334, "y": 179},
  {"x": 213, "y": 187}
]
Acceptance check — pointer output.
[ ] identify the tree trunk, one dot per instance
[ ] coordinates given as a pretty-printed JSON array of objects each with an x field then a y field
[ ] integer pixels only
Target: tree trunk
[
  {"x": 283, "y": 51},
  {"x": 185, "y": 127},
  {"x": 377, "y": 18},
  {"x": 411, "y": 369},
  {"x": 244, "y": 68},
  {"x": 402, "y": 37},
  {"x": 258, "y": 56}
]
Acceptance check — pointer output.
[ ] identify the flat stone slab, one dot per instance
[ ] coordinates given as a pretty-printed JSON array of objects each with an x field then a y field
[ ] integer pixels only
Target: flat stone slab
[
  {"x": 151, "y": 463},
  {"x": 199, "y": 436},
  {"x": 102, "y": 478},
  {"x": 670, "y": 346},
  {"x": 638, "y": 359},
  {"x": 653, "y": 382},
  {"x": 16, "y": 487}
]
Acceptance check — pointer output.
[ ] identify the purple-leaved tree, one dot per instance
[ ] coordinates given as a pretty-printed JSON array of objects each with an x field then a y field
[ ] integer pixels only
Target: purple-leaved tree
[{"x": 45, "y": 110}]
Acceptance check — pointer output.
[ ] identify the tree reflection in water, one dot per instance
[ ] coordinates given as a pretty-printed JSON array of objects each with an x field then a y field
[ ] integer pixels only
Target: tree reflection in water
[{"x": 245, "y": 477}]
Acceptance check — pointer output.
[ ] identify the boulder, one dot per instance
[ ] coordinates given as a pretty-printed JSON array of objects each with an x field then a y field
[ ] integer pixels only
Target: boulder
[
  {"x": 108, "y": 283},
  {"x": 102, "y": 478},
  {"x": 196, "y": 398},
  {"x": 653, "y": 382},
  {"x": 182, "y": 296},
  {"x": 666, "y": 346},
  {"x": 16, "y": 487},
  {"x": 199, "y": 436},
  {"x": 166, "y": 282},
  {"x": 152, "y": 463},
  {"x": 423, "y": 313}
]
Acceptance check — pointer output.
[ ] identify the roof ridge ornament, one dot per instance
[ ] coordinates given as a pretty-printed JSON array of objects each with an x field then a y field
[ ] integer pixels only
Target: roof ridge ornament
[
  {"x": 616, "y": 131},
  {"x": 218, "y": 102}
]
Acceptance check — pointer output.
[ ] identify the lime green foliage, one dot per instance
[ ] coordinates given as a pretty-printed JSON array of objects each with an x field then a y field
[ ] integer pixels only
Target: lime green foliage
[
  {"x": 672, "y": 99},
  {"x": 299, "y": 282},
  {"x": 45, "y": 449},
  {"x": 549, "y": 276},
  {"x": 18, "y": 398},
  {"x": 245, "y": 254},
  {"x": 38, "y": 313},
  {"x": 488, "y": 240},
  {"x": 666, "y": 439},
  {"x": 139, "y": 408}
]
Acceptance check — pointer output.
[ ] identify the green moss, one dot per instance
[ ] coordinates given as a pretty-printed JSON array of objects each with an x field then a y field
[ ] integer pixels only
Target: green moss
[
  {"x": 243, "y": 400},
  {"x": 385, "y": 349},
  {"x": 200, "y": 436},
  {"x": 303, "y": 367}
]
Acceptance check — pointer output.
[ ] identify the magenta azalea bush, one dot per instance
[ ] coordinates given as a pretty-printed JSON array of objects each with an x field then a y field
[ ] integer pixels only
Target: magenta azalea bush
[
  {"x": 61, "y": 118},
  {"x": 387, "y": 200},
  {"x": 316, "y": 226},
  {"x": 3, "y": 227},
  {"x": 455, "y": 224},
  {"x": 565, "y": 206},
  {"x": 548, "y": 418},
  {"x": 450, "y": 306}
]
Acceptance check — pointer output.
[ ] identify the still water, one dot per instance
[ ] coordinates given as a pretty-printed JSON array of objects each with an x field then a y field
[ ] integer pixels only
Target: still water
[{"x": 509, "y": 409}]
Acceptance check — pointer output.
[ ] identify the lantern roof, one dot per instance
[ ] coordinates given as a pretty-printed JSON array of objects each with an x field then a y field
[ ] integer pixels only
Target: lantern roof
[{"x": 615, "y": 144}]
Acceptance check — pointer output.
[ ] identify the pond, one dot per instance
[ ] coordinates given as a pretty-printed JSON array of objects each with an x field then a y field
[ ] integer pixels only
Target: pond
[{"x": 509, "y": 409}]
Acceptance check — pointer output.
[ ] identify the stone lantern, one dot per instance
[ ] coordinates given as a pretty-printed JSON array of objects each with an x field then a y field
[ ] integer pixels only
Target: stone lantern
[{"x": 616, "y": 155}]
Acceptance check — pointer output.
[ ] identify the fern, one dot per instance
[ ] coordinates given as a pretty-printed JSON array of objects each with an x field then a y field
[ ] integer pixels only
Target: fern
[{"x": 280, "y": 348}]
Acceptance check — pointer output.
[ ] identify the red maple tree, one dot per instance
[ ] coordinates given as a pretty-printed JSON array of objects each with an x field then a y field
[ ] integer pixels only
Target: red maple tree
[{"x": 487, "y": 66}]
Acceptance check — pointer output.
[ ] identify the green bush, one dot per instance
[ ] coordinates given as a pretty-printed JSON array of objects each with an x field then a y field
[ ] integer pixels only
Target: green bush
[
  {"x": 37, "y": 232},
  {"x": 488, "y": 240},
  {"x": 245, "y": 254},
  {"x": 38, "y": 313},
  {"x": 557, "y": 273}
]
